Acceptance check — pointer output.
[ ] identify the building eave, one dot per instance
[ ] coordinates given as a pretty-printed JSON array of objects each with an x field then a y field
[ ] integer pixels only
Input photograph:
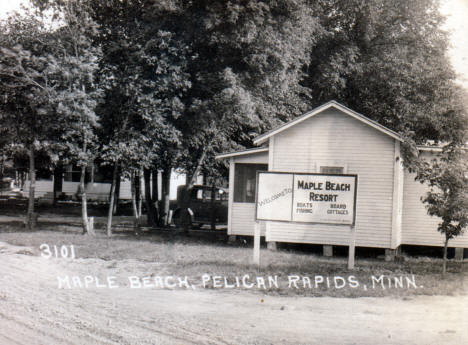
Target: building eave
[
  {"x": 430, "y": 148},
  {"x": 242, "y": 153}
]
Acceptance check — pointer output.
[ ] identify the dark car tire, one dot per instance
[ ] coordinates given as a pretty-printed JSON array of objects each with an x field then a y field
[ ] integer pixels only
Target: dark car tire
[{"x": 181, "y": 218}]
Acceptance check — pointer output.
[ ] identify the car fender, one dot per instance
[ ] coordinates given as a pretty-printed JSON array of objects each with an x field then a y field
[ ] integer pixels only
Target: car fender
[{"x": 189, "y": 210}]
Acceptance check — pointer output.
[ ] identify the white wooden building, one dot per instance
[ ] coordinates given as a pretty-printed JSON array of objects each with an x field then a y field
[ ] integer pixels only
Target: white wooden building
[
  {"x": 99, "y": 191},
  {"x": 335, "y": 139}
]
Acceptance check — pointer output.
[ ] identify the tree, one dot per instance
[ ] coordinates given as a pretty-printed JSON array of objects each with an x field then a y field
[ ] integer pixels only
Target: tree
[
  {"x": 145, "y": 66},
  {"x": 389, "y": 61},
  {"x": 226, "y": 71},
  {"x": 448, "y": 198},
  {"x": 245, "y": 78},
  {"x": 25, "y": 82},
  {"x": 76, "y": 95}
]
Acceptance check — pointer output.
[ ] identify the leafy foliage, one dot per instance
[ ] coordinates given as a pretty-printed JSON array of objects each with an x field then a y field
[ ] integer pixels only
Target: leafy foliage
[
  {"x": 167, "y": 83},
  {"x": 245, "y": 78},
  {"x": 389, "y": 61},
  {"x": 144, "y": 70},
  {"x": 76, "y": 92},
  {"x": 25, "y": 110},
  {"x": 448, "y": 198},
  {"x": 25, "y": 73}
]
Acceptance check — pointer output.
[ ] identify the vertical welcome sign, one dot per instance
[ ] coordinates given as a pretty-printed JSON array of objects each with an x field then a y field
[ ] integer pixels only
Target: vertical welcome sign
[
  {"x": 274, "y": 196},
  {"x": 306, "y": 198}
]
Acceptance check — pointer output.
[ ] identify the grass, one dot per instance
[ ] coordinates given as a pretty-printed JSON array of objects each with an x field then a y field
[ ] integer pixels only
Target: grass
[{"x": 165, "y": 254}]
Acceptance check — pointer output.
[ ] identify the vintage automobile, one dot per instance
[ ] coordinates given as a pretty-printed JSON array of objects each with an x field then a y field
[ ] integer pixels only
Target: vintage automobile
[{"x": 200, "y": 206}]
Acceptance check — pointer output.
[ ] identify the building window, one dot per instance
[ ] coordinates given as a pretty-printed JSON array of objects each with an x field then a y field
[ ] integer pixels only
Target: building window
[
  {"x": 93, "y": 174},
  {"x": 331, "y": 170},
  {"x": 72, "y": 174},
  {"x": 245, "y": 181}
]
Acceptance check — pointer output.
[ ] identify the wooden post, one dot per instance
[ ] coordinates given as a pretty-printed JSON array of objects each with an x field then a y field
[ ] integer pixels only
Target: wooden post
[
  {"x": 169, "y": 219},
  {"x": 352, "y": 243},
  {"x": 272, "y": 246},
  {"x": 390, "y": 255},
  {"x": 256, "y": 252},
  {"x": 91, "y": 225},
  {"x": 327, "y": 251}
]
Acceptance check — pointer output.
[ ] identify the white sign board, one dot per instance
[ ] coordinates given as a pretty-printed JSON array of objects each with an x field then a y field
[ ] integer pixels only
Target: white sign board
[
  {"x": 306, "y": 198},
  {"x": 274, "y": 196}
]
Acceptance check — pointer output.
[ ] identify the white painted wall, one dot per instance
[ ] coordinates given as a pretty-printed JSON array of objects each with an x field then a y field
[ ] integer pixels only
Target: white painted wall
[
  {"x": 243, "y": 220},
  {"x": 242, "y": 214},
  {"x": 42, "y": 187},
  {"x": 100, "y": 191},
  {"x": 419, "y": 228},
  {"x": 334, "y": 138}
]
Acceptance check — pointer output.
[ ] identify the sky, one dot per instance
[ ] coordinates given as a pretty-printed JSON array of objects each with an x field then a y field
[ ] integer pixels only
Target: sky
[{"x": 457, "y": 24}]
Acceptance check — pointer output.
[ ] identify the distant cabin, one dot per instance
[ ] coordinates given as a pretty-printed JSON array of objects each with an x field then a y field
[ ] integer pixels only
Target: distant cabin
[
  {"x": 334, "y": 139},
  {"x": 97, "y": 184}
]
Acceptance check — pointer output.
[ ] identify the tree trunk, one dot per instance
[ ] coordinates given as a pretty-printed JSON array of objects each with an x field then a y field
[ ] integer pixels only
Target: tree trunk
[
  {"x": 139, "y": 192},
  {"x": 134, "y": 204},
  {"x": 166, "y": 177},
  {"x": 150, "y": 211},
  {"x": 58, "y": 181},
  {"x": 84, "y": 204},
  {"x": 91, "y": 177},
  {"x": 193, "y": 179},
  {"x": 154, "y": 187},
  {"x": 212, "y": 207},
  {"x": 444, "y": 265},
  {"x": 31, "y": 216},
  {"x": 117, "y": 193},
  {"x": 111, "y": 199},
  {"x": 155, "y": 196}
]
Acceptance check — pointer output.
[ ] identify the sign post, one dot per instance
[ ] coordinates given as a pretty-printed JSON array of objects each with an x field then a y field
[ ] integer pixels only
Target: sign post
[
  {"x": 308, "y": 198},
  {"x": 351, "y": 250},
  {"x": 256, "y": 255}
]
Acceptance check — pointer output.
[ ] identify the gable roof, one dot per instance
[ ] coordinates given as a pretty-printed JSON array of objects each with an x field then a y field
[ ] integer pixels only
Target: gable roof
[{"x": 332, "y": 104}]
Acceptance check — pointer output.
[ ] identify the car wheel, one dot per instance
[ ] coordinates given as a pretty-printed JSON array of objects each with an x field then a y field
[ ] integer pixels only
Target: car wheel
[
  {"x": 182, "y": 219},
  {"x": 176, "y": 219}
]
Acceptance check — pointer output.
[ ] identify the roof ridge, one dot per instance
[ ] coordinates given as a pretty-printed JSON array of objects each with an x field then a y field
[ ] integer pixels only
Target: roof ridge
[{"x": 262, "y": 138}]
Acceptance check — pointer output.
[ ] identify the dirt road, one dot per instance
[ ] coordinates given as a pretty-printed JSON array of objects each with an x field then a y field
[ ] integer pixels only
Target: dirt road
[{"x": 33, "y": 310}]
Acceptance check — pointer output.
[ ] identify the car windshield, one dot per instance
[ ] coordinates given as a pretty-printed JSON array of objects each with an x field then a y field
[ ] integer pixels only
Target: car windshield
[{"x": 205, "y": 194}]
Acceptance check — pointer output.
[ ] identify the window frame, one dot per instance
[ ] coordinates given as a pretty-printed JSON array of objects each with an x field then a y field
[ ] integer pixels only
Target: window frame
[
  {"x": 244, "y": 180},
  {"x": 332, "y": 164}
]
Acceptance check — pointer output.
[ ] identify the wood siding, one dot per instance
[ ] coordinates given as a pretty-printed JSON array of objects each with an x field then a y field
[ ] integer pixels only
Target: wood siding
[
  {"x": 95, "y": 191},
  {"x": 256, "y": 158},
  {"x": 100, "y": 190},
  {"x": 42, "y": 188},
  {"x": 419, "y": 228},
  {"x": 333, "y": 137},
  {"x": 243, "y": 219}
]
